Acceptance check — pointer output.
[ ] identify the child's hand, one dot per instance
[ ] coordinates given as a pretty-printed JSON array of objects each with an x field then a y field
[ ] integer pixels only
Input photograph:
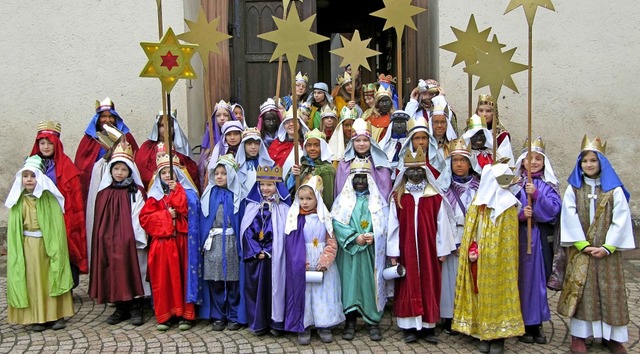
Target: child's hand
[
  {"x": 306, "y": 265},
  {"x": 295, "y": 169},
  {"x": 393, "y": 260},
  {"x": 530, "y": 188},
  {"x": 599, "y": 252},
  {"x": 528, "y": 211},
  {"x": 368, "y": 238},
  {"x": 351, "y": 104},
  {"x": 320, "y": 268},
  {"x": 172, "y": 212},
  {"x": 261, "y": 255},
  {"x": 473, "y": 256},
  {"x": 172, "y": 185},
  {"x": 360, "y": 240}
]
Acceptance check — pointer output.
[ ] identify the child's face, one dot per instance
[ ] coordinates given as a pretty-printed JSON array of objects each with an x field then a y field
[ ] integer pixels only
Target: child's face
[
  {"x": 416, "y": 175},
  {"x": 346, "y": 129},
  {"x": 360, "y": 183},
  {"x": 267, "y": 189},
  {"x": 348, "y": 87},
  {"x": 165, "y": 174},
  {"x": 270, "y": 122},
  {"x": 238, "y": 113},
  {"x": 29, "y": 180},
  {"x": 318, "y": 96},
  {"x": 370, "y": 101},
  {"x": 478, "y": 140},
  {"x": 590, "y": 164},
  {"x": 439, "y": 124},
  {"x": 362, "y": 144},
  {"x": 486, "y": 111},
  {"x": 537, "y": 162},
  {"x": 46, "y": 147},
  {"x": 252, "y": 148},
  {"x": 161, "y": 130},
  {"x": 313, "y": 148},
  {"x": 222, "y": 116},
  {"x": 301, "y": 88},
  {"x": 399, "y": 127},
  {"x": 220, "y": 176},
  {"x": 329, "y": 122},
  {"x": 420, "y": 139},
  {"x": 233, "y": 138},
  {"x": 460, "y": 165},
  {"x": 120, "y": 171},
  {"x": 308, "y": 200}
]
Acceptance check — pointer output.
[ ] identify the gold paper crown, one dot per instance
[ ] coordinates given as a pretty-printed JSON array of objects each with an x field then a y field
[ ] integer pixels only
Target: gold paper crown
[
  {"x": 369, "y": 89},
  {"x": 419, "y": 160},
  {"x": 360, "y": 166},
  {"x": 251, "y": 132},
  {"x": 123, "y": 152},
  {"x": 383, "y": 92},
  {"x": 222, "y": 104},
  {"x": 162, "y": 161},
  {"x": 476, "y": 122},
  {"x": 327, "y": 111},
  {"x": 387, "y": 78},
  {"x": 50, "y": 126},
  {"x": 105, "y": 105},
  {"x": 538, "y": 145},
  {"x": 288, "y": 114},
  {"x": 593, "y": 145},
  {"x": 315, "y": 182},
  {"x": 486, "y": 99},
  {"x": 268, "y": 105},
  {"x": 458, "y": 147},
  {"x": 315, "y": 134},
  {"x": 269, "y": 174},
  {"x": 361, "y": 127},
  {"x": 418, "y": 124},
  {"x": 109, "y": 136},
  {"x": 228, "y": 160},
  {"x": 343, "y": 80},
  {"x": 302, "y": 78},
  {"x": 348, "y": 113}
]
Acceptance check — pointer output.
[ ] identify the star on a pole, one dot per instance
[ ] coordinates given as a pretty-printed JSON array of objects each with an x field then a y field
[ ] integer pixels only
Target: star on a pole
[
  {"x": 467, "y": 41},
  {"x": 293, "y": 37},
  {"x": 205, "y": 34},
  {"x": 530, "y": 7},
  {"x": 168, "y": 60},
  {"x": 494, "y": 68},
  {"x": 355, "y": 51},
  {"x": 398, "y": 14}
]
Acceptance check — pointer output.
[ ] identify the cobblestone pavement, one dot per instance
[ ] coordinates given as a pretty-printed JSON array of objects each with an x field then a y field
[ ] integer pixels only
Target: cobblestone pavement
[{"x": 87, "y": 332}]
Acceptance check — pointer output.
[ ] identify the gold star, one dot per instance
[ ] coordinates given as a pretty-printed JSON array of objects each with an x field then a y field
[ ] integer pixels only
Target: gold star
[
  {"x": 530, "y": 7},
  {"x": 494, "y": 68},
  {"x": 398, "y": 14},
  {"x": 293, "y": 37},
  {"x": 168, "y": 60},
  {"x": 355, "y": 51},
  {"x": 285, "y": 4},
  {"x": 205, "y": 35},
  {"x": 467, "y": 41}
]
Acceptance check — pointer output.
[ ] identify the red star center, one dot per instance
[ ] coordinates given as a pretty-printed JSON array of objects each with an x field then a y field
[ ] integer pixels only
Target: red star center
[{"x": 169, "y": 61}]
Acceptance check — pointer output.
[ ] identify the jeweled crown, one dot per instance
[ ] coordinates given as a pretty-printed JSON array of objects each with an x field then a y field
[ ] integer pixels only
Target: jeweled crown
[
  {"x": 50, "y": 126},
  {"x": 360, "y": 166},
  {"x": 418, "y": 124},
  {"x": 383, "y": 92},
  {"x": 269, "y": 174},
  {"x": 476, "y": 122},
  {"x": 327, "y": 111},
  {"x": 315, "y": 182},
  {"x": 417, "y": 160},
  {"x": 252, "y": 133},
  {"x": 315, "y": 134},
  {"x": 486, "y": 99},
  {"x": 537, "y": 145},
  {"x": 228, "y": 160},
  {"x": 387, "y": 79},
  {"x": 348, "y": 113},
  {"x": 369, "y": 89},
  {"x": 593, "y": 145},
  {"x": 222, "y": 104},
  {"x": 105, "y": 105}
]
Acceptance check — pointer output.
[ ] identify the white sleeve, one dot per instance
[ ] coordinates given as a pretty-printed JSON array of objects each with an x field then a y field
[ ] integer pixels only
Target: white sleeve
[
  {"x": 445, "y": 241},
  {"x": 620, "y": 233},
  {"x": 412, "y": 107},
  {"x": 570, "y": 226},
  {"x": 138, "y": 231},
  {"x": 393, "y": 235}
]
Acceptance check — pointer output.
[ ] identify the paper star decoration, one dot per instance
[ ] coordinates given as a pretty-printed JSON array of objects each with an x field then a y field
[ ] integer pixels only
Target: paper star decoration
[
  {"x": 468, "y": 41},
  {"x": 398, "y": 14},
  {"x": 530, "y": 7},
  {"x": 168, "y": 60},
  {"x": 355, "y": 51},
  {"x": 293, "y": 37},
  {"x": 205, "y": 34},
  {"x": 494, "y": 68},
  {"x": 285, "y": 4}
]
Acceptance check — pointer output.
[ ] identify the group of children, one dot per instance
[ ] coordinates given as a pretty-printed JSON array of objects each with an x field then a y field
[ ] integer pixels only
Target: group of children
[{"x": 391, "y": 206}]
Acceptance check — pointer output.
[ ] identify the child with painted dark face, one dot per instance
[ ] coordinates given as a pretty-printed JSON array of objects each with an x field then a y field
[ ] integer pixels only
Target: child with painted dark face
[{"x": 480, "y": 140}]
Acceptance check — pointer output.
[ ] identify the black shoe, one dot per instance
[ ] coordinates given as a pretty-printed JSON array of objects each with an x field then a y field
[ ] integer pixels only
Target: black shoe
[
  {"x": 137, "y": 318},
  {"x": 304, "y": 338},
  {"x": 274, "y": 332},
  {"x": 233, "y": 326},
  {"x": 526, "y": 338},
  {"x": 325, "y": 335},
  {"x": 497, "y": 346},
  {"x": 409, "y": 335},
  {"x": 374, "y": 332},
  {"x": 446, "y": 327},
  {"x": 219, "y": 325},
  {"x": 349, "y": 329},
  {"x": 119, "y": 315},
  {"x": 430, "y": 335},
  {"x": 59, "y": 324},
  {"x": 38, "y": 327},
  {"x": 484, "y": 346},
  {"x": 538, "y": 335},
  {"x": 261, "y": 332}
]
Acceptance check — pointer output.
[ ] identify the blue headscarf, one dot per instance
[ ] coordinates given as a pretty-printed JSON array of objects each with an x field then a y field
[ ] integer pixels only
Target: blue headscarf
[
  {"x": 608, "y": 177},
  {"x": 93, "y": 125},
  {"x": 281, "y": 190}
]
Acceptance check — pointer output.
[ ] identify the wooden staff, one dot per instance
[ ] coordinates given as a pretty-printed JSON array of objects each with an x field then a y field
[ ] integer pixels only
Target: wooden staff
[
  {"x": 529, "y": 123},
  {"x": 469, "y": 94},
  {"x": 296, "y": 136},
  {"x": 166, "y": 100},
  {"x": 353, "y": 85},
  {"x": 399, "y": 56}
]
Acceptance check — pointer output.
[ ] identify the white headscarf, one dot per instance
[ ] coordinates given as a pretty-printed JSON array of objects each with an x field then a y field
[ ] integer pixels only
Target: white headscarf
[
  {"x": 325, "y": 155},
  {"x": 221, "y": 146},
  {"x": 471, "y": 132},
  {"x": 180, "y": 140},
  {"x": 43, "y": 183},
  {"x": 440, "y": 101},
  {"x": 107, "y": 179},
  {"x": 233, "y": 184},
  {"x": 241, "y": 157},
  {"x": 337, "y": 143},
  {"x": 282, "y": 133},
  {"x": 156, "y": 192},
  {"x": 345, "y": 201},
  {"x": 323, "y": 213},
  {"x": 548, "y": 176},
  {"x": 491, "y": 194}
]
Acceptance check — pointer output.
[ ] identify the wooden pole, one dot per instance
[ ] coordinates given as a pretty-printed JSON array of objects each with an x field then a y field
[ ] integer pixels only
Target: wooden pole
[
  {"x": 470, "y": 93},
  {"x": 168, "y": 132},
  {"x": 529, "y": 123},
  {"x": 166, "y": 105},
  {"x": 353, "y": 85},
  {"x": 296, "y": 136},
  {"x": 399, "y": 56}
]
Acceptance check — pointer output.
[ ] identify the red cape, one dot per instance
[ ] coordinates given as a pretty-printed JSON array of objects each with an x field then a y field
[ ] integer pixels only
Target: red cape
[
  {"x": 146, "y": 161},
  {"x": 279, "y": 151}
]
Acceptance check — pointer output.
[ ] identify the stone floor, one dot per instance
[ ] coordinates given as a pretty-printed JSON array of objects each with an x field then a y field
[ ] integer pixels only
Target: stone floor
[{"x": 88, "y": 333}]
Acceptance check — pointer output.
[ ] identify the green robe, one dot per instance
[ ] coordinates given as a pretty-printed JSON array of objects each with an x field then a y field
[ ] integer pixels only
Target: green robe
[
  {"x": 54, "y": 234},
  {"x": 356, "y": 263}
]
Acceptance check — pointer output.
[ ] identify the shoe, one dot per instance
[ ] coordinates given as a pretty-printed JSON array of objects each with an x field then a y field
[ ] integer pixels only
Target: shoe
[
  {"x": 184, "y": 325},
  {"x": 446, "y": 327},
  {"x": 538, "y": 335},
  {"x": 430, "y": 335},
  {"x": 219, "y": 325},
  {"x": 409, "y": 335},
  {"x": 233, "y": 326},
  {"x": 38, "y": 327},
  {"x": 526, "y": 338},
  {"x": 349, "y": 330},
  {"x": 274, "y": 332},
  {"x": 484, "y": 346},
  {"x": 137, "y": 318},
  {"x": 578, "y": 346},
  {"x": 325, "y": 335},
  {"x": 614, "y": 347},
  {"x": 163, "y": 326},
  {"x": 497, "y": 346},
  {"x": 374, "y": 332},
  {"x": 59, "y": 324},
  {"x": 119, "y": 315},
  {"x": 261, "y": 332},
  {"x": 304, "y": 338}
]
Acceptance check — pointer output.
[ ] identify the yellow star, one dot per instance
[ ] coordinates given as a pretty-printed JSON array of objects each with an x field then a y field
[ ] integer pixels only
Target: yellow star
[
  {"x": 285, "y": 4},
  {"x": 467, "y": 41},
  {"x": 293, "y": 37},
  {"x": 494, "y": 68},
  {"x": 205, "y": 35},
  {"x": 398, "y": 14},
  {"x": 530, "y": 7},
  {"x": 355, "y": 51},
  {"x": 168, "y": 60}
]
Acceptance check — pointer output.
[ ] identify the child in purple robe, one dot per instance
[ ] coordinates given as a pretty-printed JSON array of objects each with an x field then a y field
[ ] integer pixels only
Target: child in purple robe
[{"x": 263, "y": 224}]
